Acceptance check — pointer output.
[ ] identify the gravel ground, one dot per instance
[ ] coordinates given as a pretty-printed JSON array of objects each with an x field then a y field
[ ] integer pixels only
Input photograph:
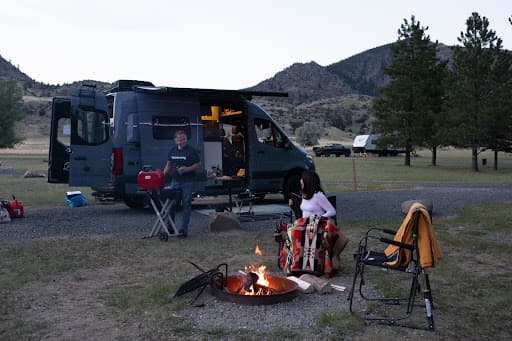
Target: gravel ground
[{"x": 118, "y": 220}]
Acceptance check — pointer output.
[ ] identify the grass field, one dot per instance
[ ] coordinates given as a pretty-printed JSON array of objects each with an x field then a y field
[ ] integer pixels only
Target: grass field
[
  {"x": 109, "y": 283},
  {"x": 33, "y": 192}
]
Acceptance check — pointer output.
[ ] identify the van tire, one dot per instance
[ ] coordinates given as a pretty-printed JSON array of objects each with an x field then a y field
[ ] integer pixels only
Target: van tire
[
  {"x": 136, "y": 201},
  {"x": 291, "y": 185}
]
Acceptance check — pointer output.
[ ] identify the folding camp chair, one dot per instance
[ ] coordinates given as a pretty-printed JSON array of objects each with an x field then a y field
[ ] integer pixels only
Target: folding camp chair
[
  {"x": 413, "y": 249},
  {"x": 332, "y": 200},
  {"x": 244, "y": 199}
]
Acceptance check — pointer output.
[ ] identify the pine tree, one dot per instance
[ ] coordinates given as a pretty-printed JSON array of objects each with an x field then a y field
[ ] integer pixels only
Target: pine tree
[
  {"x": 500, "y": 108},
  {"x": 10, "y": 112},
  {"x": 407, "y": 115},
  {"x": 473, "y": 86}
]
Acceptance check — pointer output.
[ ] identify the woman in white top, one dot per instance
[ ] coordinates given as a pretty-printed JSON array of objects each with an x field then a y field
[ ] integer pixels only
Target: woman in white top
[{"x": 314, "y": 200}]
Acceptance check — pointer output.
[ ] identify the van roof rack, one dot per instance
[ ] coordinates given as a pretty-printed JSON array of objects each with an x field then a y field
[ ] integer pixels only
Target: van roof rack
[{"x": 127, "y": 85}]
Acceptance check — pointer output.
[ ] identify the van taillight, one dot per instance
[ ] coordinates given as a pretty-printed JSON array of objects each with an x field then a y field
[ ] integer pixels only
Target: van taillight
[{"x": 117, "y": 161}]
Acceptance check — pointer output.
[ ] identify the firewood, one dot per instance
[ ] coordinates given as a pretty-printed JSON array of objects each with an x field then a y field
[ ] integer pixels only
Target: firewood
[
  {"x": 338, "y": 287},
  {"x": 304, "y": 287},
  {"x": 321, "y": 285}
]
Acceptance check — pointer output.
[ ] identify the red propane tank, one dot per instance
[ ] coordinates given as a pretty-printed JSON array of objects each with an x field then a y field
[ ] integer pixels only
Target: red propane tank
[
  {"x": 15, "y": 208},
  {"x": 151, "y": 179}
]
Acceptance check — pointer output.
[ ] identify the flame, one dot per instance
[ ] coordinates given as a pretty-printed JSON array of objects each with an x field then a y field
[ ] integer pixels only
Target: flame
[
  {"x": 262, "y": 281},
  {"x": 257, "y": 251}
]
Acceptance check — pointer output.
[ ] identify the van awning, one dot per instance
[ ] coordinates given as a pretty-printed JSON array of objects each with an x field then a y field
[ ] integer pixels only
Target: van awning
[{"x": 163, "y": 90}]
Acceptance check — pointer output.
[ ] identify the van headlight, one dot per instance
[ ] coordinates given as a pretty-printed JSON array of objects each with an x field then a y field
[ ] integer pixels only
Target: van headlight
[{"x": 309, "y": 158}]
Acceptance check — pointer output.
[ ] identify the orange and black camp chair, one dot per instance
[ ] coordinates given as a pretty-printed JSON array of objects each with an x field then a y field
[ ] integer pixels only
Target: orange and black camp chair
[{"x": 413, "y": 249}]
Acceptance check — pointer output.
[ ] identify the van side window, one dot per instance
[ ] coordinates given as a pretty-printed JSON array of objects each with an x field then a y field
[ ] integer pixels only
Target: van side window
[
  {"x": 267, "y": 133},
  {"x": 164, "y": 127},
  {"x": 91, "y": 128}
]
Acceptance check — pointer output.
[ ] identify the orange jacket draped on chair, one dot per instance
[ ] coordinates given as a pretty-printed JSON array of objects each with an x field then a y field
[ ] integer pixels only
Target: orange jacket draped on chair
[{"x": 428, "y": 246}]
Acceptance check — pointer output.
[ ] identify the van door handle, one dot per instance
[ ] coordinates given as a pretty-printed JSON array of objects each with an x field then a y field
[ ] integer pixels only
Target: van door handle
[
  {"x": 80, "y": 158},
  {"x": 260, "y": 152}
]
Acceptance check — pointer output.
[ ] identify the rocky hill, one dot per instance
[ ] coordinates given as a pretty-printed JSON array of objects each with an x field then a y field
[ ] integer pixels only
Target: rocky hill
[{"x": 338, "y": 95}]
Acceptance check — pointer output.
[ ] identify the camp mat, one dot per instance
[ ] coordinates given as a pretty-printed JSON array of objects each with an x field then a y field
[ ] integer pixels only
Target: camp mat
[{"x": 263, "y": 210}]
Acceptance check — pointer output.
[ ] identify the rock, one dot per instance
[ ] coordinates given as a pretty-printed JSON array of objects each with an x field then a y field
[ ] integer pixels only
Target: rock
[
  {"x": 406, "y": 205},
  {"x": 33, "y": 174},
  {"x": 223, "y": 221}
]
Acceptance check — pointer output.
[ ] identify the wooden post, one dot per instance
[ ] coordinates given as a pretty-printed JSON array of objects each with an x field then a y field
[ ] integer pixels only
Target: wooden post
[{"x": 354, "y": 177}]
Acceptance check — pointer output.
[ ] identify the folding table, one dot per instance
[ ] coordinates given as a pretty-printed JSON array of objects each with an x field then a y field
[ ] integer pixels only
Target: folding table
[{"x": 162, "y": 201}]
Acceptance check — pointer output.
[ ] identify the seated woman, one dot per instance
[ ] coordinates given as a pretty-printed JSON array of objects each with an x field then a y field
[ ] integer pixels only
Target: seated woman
[
  {"x": 314, "y": 201},
  {"x": 313, "y": 243}
]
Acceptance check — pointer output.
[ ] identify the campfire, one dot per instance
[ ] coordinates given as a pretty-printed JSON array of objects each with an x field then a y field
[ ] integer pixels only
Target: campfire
[
  {"x": 256, "y": 281},
  {"x": 255, "y": 286}
]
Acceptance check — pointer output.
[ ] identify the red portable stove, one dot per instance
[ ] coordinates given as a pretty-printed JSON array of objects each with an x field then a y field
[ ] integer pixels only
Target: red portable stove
[{"x": 151, "y": 180}]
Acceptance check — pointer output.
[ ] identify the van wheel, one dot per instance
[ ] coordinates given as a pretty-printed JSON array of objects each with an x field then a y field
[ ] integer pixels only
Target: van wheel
[
  {"x": 135, "y": 201},
  {"x": 291, "y": 185}
]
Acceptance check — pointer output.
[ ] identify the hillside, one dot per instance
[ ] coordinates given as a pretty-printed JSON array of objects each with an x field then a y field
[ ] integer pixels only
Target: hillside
[{"x": 338, "y": 95}]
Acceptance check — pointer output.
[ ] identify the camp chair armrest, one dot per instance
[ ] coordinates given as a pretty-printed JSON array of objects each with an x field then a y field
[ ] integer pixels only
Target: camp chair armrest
[
  {"x": 393, "y": 242},
  {"x": 381, "y": 229},
  {"x": 388, "y": 231}
]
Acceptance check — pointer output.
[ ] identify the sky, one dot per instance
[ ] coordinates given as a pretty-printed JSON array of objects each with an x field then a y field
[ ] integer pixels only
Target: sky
[{"x": 221, "y": 44}]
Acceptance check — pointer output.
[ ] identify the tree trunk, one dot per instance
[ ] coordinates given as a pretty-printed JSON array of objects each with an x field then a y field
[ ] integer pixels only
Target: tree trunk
[
  {"x": 495, "y": 160},
  {"x": 474, "y": 159},
  {"x": 434, "y": 155},
  {"x": 407, "y": 161}
]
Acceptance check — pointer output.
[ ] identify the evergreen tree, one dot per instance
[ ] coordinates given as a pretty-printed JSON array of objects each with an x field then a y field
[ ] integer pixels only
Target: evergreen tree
[
  {"x": 500, "y": 108},
  {"x": 407, "y": 115},
  {"x": 10, "y": 112},
  {"x": 472, "y": 90}
]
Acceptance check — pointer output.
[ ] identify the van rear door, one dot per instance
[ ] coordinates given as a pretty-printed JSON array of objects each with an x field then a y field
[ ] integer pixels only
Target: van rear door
[
  {"x": 86, "y": 159},
  {"x": 58, "y": 158}
]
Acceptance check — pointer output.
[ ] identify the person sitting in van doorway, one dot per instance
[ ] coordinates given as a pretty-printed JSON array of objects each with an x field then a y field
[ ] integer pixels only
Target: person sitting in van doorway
[{"x": 182, "y": 163}]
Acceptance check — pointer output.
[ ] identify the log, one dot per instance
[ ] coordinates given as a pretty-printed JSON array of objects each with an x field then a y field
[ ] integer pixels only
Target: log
[
  {"x": 304, "y": 287},
  {"x": 321, "y": 285},
  {"x": 338, "y": 287}
]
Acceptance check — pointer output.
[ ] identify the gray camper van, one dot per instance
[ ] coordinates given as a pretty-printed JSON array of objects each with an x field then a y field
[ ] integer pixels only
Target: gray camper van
[{"x": 103, "y": 139}]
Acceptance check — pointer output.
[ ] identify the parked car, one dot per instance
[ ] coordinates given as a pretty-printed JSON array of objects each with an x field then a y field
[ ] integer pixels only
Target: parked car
[{"x": 332, "y": 149}]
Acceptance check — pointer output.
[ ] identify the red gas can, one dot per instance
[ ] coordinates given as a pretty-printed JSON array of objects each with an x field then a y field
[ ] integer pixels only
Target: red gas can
[
  {"x": 151, "y": 179},
  {"x": 15, "y": 208}
]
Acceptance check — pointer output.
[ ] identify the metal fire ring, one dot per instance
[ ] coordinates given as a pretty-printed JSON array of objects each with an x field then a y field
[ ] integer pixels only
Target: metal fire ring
[{"x": 284, "y": 290}]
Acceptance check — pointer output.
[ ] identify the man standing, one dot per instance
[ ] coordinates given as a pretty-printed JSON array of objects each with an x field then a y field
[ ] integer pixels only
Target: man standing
[{"x": 182, "y": 163}]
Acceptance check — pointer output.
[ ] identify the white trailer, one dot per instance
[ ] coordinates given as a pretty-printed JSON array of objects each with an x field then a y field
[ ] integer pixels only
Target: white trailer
[{"x": 368, "y": 144}]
